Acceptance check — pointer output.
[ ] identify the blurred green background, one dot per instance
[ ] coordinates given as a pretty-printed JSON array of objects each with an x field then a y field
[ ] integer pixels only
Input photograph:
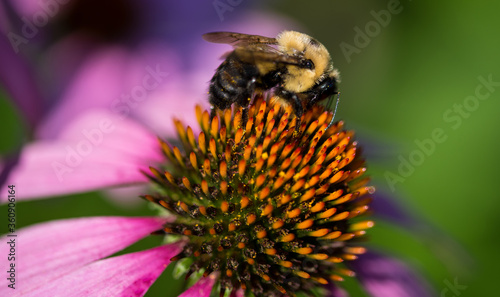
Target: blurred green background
[{"x": 400, "y": 83}]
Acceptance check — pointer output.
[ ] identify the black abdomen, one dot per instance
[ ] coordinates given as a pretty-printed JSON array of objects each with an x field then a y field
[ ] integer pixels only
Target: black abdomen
[{"x": 233, "y": 82}]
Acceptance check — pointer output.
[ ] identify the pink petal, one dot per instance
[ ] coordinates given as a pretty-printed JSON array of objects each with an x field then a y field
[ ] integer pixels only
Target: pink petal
[
  {"x": 96, "y": 151},
  {"x": 126, "y": 275},
  {"x": 172, "y": 102},
  {"x": 202, "y": 288},
  {"x": 65, "y": 58},
  {"x": 49, "y": 250},
  {"x": 113, "y": 79}
]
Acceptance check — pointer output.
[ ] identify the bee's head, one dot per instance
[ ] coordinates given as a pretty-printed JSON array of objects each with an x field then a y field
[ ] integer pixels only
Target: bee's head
[{"x": 316, "y": 60}]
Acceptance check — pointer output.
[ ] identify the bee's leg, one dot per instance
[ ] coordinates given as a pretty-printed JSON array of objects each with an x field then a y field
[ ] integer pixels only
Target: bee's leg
[
  {"x": 299, "y": 111},
  {"x": 245, "y": 100},
  {"x": 213, "y": 112},
  {"x": 244, "y": 116},
  {"x": 334, "y": 112}
]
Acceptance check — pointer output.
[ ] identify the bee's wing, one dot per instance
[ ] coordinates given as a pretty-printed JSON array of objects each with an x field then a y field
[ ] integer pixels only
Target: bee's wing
[
  {"x": 237, "y": 39},
  {"x": 264, "y": 53}
]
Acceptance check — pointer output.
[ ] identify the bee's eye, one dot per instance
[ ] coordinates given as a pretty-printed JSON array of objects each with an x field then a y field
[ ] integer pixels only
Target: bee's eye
[{"x": 308, "y": 64}]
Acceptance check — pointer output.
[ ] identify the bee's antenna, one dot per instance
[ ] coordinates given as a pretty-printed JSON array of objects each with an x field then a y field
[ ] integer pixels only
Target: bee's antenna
[{"x": 335, "y": 111}]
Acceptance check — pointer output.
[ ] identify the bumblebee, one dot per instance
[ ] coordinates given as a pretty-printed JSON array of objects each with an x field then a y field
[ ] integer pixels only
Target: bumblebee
[{"x": 298, "y": 72}]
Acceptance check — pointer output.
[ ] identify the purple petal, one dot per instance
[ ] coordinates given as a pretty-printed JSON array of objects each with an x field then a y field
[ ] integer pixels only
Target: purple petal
[
  {"x": 4, "y": 21},
  {"x": 202, "y": 288},
  {"x": 126, "y": 275},
  {"x": 97, "y": 150},
  {"x": 49, "y": 250},
  {"x": 237, "y": 293},
  {"x": 387, "y": 277},
  {"x": 8, "y": 163},
  {"x": 26, "y": 7},
  {"x": 17, "y": 79},
  {"x": 386, "y": 206},
  {"x": 336, "y": 291},
  {"x": 449, "y": 251}
]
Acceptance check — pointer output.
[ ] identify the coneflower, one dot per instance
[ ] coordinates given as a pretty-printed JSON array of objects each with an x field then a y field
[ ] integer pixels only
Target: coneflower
[{"x": 272, "y": 211}]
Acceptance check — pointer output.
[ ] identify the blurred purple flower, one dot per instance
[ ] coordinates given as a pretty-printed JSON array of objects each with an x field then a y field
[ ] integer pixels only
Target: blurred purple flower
[
  {"x": 141, "y": 78},
  {"x": 64, "y": 38},
  {"x": 384, "y": 277}
]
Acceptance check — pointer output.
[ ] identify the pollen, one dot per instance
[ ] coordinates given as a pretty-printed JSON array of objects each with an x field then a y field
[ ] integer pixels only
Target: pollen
[{"x": 273, "y": 210}]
